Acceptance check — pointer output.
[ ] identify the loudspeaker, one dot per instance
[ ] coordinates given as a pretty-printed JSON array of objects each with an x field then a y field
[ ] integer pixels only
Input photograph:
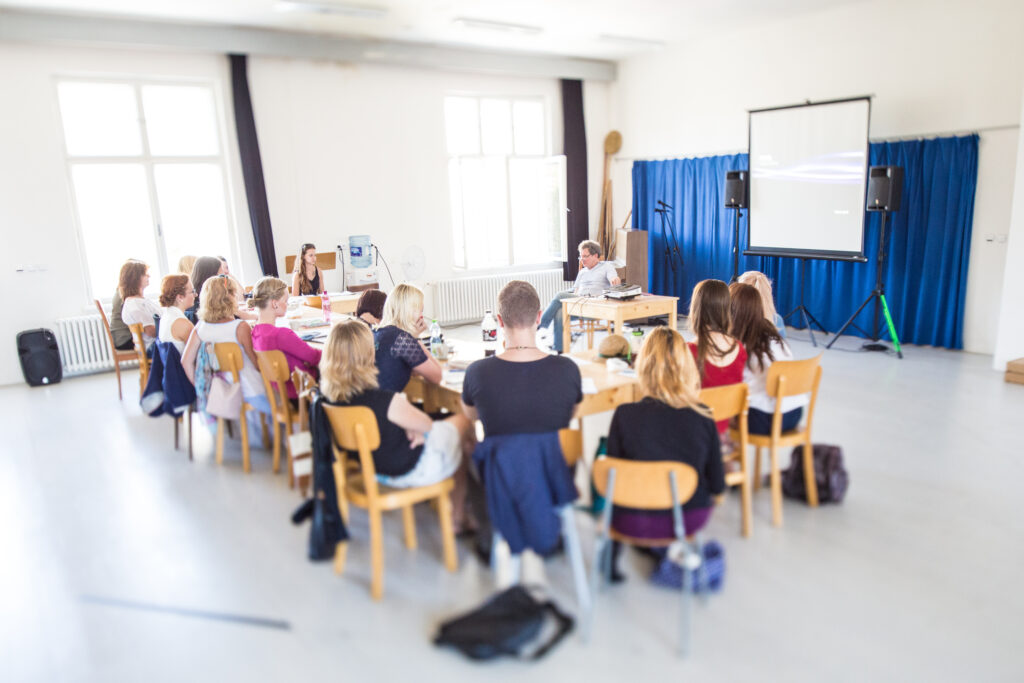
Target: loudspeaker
[
  {"x": 736, "y": 190},
  {"x": 885, "y": 188},
  {"x": 40, "y": 359}
]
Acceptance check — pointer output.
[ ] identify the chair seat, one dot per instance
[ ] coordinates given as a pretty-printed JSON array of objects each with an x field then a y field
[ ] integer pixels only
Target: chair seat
[
  {"x": 791, "y": 438},
  {"x": 122, "y": 356},
  {"x": 392, "y": 498},
  {"x": 735, "y": 478}
]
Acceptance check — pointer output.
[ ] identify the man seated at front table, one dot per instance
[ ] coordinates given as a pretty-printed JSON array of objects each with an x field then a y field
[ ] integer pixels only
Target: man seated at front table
[{"x": 594, "y": 277}]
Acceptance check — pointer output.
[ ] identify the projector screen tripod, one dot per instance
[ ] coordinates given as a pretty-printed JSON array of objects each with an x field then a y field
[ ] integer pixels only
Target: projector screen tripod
[
  {"x": 805, "y": 313},
  {"x": 881, "y": 306},
  {"x": 671, "y": 252}
]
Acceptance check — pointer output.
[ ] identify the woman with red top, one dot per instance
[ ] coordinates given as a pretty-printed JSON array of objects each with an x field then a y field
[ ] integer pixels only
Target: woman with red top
[
  {"x": 270, "y": 296},
  {"x": 719, "y": 357}
]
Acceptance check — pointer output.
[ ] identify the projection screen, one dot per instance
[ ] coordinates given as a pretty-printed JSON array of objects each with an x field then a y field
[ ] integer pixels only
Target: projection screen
[{"x": 808, "y": 175}]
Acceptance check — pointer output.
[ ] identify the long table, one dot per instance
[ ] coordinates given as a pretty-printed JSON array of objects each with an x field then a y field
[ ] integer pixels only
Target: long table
[{"x": 643, "y": 306}]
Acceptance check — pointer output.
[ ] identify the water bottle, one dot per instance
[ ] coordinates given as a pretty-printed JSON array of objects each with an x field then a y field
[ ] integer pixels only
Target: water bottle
[
  {"x": 636, "y": 340},
  {"x": 489, "y": 330},
  {"x": 436, "y": 340},
  {"x": 325, "y": 303}
]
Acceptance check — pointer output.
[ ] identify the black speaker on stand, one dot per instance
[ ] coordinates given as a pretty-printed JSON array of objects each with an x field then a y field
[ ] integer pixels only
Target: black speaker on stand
[
  {"x": 40, "y": 358},
  {"x": 737, "y": 196}
]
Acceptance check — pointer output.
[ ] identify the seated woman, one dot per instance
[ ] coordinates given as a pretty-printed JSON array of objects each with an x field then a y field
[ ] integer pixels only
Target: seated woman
[
  {"x": 764, "y": 345},
  {"x": 370, "y": 307},
  {"x": 399, "y": 351},
  {"x": 271, "y": 298},
  {"x": 137, "y": 308},
  {"x": 414, "y": 451},
  {"x": 186, "y": 264},
  {"x": 307, "y": 278},
  {"x": 668, "y": 423},
  {"x": 176, "y": 294},
  {"x": 205, "y": 267},
  {"x": 763, "y": 285},
  {"x": 217, "y": 323},
  {"x": 720, "y": 358}
]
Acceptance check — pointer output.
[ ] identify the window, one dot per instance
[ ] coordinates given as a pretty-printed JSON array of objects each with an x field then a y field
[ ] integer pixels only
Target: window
[
  {"x": 507, "y": 194},
  {"x": 147, "y": 172}
]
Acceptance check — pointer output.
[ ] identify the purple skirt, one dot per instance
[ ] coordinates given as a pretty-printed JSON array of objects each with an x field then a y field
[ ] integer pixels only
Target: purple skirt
[{"x": 657, "y": 524}]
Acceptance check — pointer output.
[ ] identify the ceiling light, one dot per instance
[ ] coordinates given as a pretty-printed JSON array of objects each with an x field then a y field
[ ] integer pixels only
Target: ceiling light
[
  {"x": 489, "y": 25},
  {"x": 341, "y": 9},
  {"x": 629, "y": 40}
]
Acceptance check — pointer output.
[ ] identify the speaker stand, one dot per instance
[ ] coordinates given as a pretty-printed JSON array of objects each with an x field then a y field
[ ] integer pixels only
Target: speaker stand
[
  {"x": 671, "y": 253},
  {"x": 881, "y": 306},
  {"x": 805, "y": 313},
  {"x": 736, "y": 246}
]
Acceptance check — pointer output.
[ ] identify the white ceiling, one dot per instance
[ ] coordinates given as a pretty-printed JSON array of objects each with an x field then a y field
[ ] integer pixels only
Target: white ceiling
[{"x": 567, "y": 27}]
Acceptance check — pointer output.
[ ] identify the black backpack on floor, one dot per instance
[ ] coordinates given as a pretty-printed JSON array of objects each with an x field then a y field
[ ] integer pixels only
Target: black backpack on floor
[
  {"x": 829, "y": 474},
  {"x": 512, "y": 622}
]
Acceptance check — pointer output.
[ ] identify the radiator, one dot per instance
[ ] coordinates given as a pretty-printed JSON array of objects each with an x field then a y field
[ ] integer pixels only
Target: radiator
[
  {"x": 464, "y": 300},
  {"x": 83, "y": 345}
]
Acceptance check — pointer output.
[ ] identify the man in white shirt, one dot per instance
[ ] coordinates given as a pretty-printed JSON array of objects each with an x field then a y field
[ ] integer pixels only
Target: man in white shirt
[{"x": 594, "y": 277}]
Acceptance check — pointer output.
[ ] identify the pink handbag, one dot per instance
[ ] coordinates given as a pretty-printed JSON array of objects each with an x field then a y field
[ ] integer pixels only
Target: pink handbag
[{"x": 225, "y": 399}]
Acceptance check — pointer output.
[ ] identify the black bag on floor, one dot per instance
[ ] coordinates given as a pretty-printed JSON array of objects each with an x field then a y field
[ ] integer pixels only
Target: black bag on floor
[
  {"x": 829, "y": 473},
  {"x": 513, "y": 622}
]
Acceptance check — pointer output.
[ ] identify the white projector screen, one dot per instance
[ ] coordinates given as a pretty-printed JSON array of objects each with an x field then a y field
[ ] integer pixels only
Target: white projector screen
[{"x": 808, "y": 175}]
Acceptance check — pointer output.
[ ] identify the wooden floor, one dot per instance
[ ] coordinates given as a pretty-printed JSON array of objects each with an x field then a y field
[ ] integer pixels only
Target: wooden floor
[{"x": 122, "y": 561}]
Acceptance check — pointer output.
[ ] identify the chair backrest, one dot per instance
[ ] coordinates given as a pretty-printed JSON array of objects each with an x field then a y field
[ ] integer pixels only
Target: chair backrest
[
  {"x": 355, "y": 430},
  {"x": 801, "y": 377},
  {"x": 327, "y": 260},
  {"x": 140, "y": 344},
  {"x": 725, "y": 402},
  {"x": 645, "y": 485},
  {"x": 229, "y": 358},
  {"x": 273, "y": 368},
  {"x": 106, "y": 325},
  {"x": 304, "y": 385},
  {"x": 572, "y": 445}
]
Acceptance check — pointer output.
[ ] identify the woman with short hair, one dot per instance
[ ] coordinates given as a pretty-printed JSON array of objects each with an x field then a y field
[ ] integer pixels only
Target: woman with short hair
[
  {"x": 400, "y": 353},
  {"x": 137, "y": 309},
  {"x": 668, "y": 424},
  {"x": 370, "y": 307},
  {"x": 176, "y": 295}
]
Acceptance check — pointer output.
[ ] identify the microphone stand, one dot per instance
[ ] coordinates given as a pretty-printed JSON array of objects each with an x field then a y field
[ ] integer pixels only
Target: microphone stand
[
  {"x": 344, "y": 280},
  {"x": 671, "y": 253}
]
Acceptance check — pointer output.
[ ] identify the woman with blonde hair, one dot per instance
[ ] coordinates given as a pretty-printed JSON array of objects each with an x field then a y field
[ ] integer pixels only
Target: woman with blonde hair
[
  {"x": 414, "y": 450},
  {"x": 668, "y": 424},
  {"x": 400, "y": 353},
  {"x": 186, "y": 263},
  {"x": 307, "y": 278},
  {"x": 763, "y": 285},
  {"x": 217, "y": 323},
  {"x": 270, "y": 296},
  {"x": 720, "y": 357}
]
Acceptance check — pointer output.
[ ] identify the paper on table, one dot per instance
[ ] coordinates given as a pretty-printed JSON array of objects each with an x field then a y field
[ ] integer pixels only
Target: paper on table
[
  {"x": 579, "y": 361},
  {"x": 589, "y": 387}
]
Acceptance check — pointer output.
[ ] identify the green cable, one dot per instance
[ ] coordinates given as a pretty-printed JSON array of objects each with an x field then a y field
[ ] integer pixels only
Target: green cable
[{"x": 892, "y": 328}]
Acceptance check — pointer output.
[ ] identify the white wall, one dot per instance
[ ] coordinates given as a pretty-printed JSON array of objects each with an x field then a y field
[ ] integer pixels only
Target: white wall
[
  {"x": 932, "y": 68},
  {"x": 1010, "y": 342},
  {"x": 37, "y": 224},
  {"x": 351, "y": 149}
]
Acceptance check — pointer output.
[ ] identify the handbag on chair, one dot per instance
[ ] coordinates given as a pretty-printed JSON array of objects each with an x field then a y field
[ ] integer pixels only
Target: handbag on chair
[{"x": 225, "y": 399}]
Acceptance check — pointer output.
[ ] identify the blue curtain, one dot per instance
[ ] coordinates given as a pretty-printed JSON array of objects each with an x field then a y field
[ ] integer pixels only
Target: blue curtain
[{"x": 926, "y": 262}]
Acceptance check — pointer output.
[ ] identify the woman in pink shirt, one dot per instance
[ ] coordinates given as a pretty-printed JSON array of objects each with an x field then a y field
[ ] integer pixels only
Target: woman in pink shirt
[{"x": 271, "y": 298}]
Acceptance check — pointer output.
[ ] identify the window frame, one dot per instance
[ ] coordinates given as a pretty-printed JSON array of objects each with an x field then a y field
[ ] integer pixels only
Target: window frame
[
  {"x": 148, "y": 162},
  {"x": 546, "y": 155}
]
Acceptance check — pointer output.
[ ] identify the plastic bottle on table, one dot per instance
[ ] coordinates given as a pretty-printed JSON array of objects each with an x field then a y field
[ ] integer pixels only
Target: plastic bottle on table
[
  {"x": 489, "y": 330},
  {"x": 436, "y": 340},
  {"x": 325, "y": 304}
]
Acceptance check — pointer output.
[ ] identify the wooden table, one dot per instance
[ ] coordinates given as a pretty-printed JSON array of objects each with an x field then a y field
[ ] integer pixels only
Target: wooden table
[
  {"x": 340, "y": 303},
  {"x": 643, "y": 306}
]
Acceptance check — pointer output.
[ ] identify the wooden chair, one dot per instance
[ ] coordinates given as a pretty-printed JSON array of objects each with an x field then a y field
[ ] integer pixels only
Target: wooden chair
[
  {"x": 119, "y": 356},
  {"x": 326, "y": 260},
  {"x": 572, "y": 445},
  {"x": 789, "y": 378},
  {"x": 229, "y": 358},
  {"x": 355, "y": 431},
  {"x": 274, "y": 371},
  {"x": 140, "y": 353},
  {"x": 646, "y": 486},
  {"x": 304, "y": 386},
  {"x": 727, "y": 402}
]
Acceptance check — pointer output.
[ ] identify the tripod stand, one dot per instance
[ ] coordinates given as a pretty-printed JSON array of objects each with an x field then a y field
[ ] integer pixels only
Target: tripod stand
[
  {"x": 736, "y": 246},
  {"x": 878, "y": 296},
  {"x": 805, "y": 313},
  {"x": 671, "y": 253}
]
